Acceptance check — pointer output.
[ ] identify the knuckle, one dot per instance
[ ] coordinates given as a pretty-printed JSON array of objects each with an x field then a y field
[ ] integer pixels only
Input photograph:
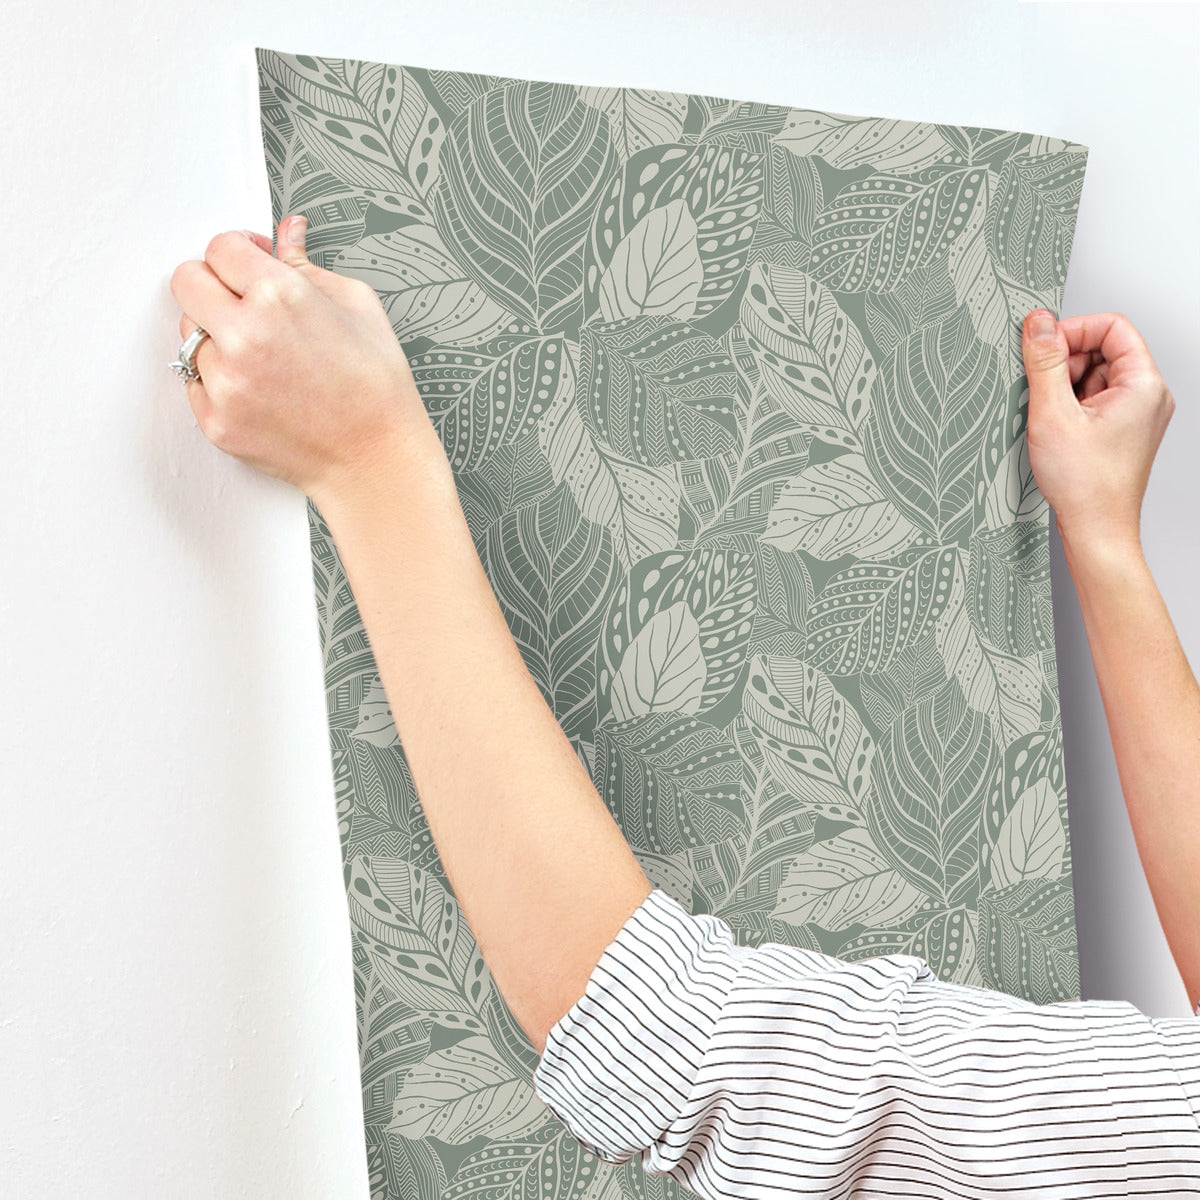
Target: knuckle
[
  {"x": 215, "y": 427},
  {"x": 234, "y": 343},
  {"x": 181, "y": 275},
  {"x": 218, "y": 240}
]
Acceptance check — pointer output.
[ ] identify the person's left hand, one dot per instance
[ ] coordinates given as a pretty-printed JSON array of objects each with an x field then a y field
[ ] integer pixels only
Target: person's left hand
[{"x": 302, "y": 375}]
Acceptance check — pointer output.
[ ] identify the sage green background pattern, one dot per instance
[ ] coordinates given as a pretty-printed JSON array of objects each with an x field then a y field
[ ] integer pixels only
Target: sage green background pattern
[{"x": 735, "y": 401}]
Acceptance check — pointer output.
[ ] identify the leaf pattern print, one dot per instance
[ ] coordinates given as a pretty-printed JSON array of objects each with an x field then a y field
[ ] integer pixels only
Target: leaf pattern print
[
  {"x": 812, "y": 356},
  {"x": 522, "y": 170},
  {"x": 734, "y": 400}
]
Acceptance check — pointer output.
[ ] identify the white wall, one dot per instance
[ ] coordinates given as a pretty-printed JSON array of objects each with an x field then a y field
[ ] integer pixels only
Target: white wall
[{"x": 176, "y": 1009}]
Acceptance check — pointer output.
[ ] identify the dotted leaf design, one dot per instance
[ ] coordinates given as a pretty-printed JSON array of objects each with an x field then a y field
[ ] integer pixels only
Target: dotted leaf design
[
  {"x": 836, "y": 509},
  {"x": 1030, "y": 939},
  {"x": 710, "y": 634},
  {"x": 877, "y": 230},
  {"x": 463, "y": 1092},
  {"x": 812, "y": 740},
  {"x": 813, "y": 358},
  {"x": 869, "y": 613},
  {"x": 415, "y": 931},
  {"x": 848, "y": 142},
  {"x": 721, "y": 189},
  {"x": 657, "y": 390},
  {"x": 845, "y": 881}
]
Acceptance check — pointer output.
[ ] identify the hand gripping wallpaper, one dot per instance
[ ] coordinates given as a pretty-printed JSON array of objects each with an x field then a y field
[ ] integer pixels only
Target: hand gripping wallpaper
[{"x": 734, "y": 397}]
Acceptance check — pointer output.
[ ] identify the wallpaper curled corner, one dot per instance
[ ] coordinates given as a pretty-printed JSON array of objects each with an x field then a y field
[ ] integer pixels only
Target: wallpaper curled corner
[{"x": 735, "y": 401}]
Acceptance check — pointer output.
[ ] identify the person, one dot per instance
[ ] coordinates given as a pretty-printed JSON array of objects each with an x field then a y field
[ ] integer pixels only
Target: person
[{"x": 735, "y": 1071}]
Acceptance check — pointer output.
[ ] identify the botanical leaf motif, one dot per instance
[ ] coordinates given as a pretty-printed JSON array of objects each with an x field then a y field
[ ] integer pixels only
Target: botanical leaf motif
[
  {"x": 1029, "y": 935},
  {"x": 638, "y": 504},
  {"x": 368, "y": 122},
  {"x": 518, "y": 1170},
  {"x": 845, "y": 881},
  {"x": 523, "y": 169},
  {"x": 795, "y": 193},
  {"x": 734, "y": 122},
  {"x": 812, "y": 740},
  {"x": 916, "y": 671},
  {"x": 734, "y": 401},
  {"x": 397, "y": 1166},
  {"x": 733, "y": 494},
  {"x": 1032, "y": 217},
  {"x": 656, "y": 268},
  {"x": 638, "y": 118},
  {"x": 554, "y": 574},
  {"x": 657, "y": 390},
  {"x": 924, "y": 297},
  {"x": 944, "y": 937},
  {"x": 836, "y": 508},
  {"x": 812, "y": 356},
  {"x": 375, "y": 722},
  {"x": 1032, "y": 840},
  {"x": 719, "y": 590},
  {"x": 922, "y": 446},
  {"x": 340, "y": 629},
  {"x": 877, "y": 230},
  {"x": 416, "y": 933},
  {"x": 997, "y": 303},
  {"x": 867, "y": 614},
  {"x": 423, "y": 288},
  {"x": 662, "y": 669},
  {"x": 1006, "y": 489},
  {"x": 462, "y": 1092},
  {"x": 480, "y": 402},
  {"x": 934, "y": 769},
  {"x": 1004, "y": 687},
  {"x": 848, "y": 142},
  {"x": 1032, "y": 757},
  {"x": 1009, "y": 582},
  {"x": 671, "y": 781},
  {"x": 743, "y": 873},
  {"x": 722, "y": 189}
]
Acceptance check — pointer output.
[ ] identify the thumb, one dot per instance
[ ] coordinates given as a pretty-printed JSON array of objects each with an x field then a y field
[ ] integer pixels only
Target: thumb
[
  {"x": 1047, "y": 359},
  {"x": 290, "y": 240}
]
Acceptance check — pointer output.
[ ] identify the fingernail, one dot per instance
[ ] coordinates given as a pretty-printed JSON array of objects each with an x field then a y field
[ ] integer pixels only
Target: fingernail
[
  {"x": 1041, "y": 324},
  {"x": 296, "y": 228}
]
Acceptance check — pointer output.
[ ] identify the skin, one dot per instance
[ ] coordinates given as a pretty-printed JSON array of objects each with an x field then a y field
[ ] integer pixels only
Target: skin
[{"x": 304, "y": 379}]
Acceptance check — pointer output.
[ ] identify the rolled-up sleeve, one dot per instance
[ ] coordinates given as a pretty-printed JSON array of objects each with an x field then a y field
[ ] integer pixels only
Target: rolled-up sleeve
[{"x": 774, "y": 1070}]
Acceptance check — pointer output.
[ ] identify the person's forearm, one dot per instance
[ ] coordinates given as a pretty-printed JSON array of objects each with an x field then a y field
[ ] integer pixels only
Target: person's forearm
[
  {"x": 543, "y": 874},
  {"x": 1152, "y": 703}
]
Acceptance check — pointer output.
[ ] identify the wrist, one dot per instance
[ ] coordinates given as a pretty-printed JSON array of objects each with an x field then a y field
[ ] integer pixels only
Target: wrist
[
  {"x": 409, "y": 469},
  {"x": 1094, "y": 552}
]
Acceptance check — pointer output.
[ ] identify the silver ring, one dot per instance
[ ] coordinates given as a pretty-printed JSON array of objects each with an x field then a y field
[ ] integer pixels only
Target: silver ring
[{"x": 185, "y": 365}]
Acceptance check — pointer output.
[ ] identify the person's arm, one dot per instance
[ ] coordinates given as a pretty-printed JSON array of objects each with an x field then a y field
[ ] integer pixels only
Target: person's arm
[
  {"x": 541, "y": 870},
  {"x": 1098, "y": 409},
  {"x": 1152, "y": 703}
]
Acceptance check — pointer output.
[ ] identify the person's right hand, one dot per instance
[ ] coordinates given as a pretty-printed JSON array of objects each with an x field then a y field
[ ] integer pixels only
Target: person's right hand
[{"x": 1098, "y": 409}]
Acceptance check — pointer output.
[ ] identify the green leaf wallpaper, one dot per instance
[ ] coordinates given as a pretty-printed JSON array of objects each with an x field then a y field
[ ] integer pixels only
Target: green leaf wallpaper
[{"x": 735, "y": 401}]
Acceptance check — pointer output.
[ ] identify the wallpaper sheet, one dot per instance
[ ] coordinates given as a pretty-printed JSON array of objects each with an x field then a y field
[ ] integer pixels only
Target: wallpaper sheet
[{"x": 734, "y": 397}]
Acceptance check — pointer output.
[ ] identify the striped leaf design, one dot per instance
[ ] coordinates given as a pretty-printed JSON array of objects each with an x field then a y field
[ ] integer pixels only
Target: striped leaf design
[
  {"x": 522, "y": 171},
  {"x": 934, "y": 768},
  {"x": 943, "y": 383}
]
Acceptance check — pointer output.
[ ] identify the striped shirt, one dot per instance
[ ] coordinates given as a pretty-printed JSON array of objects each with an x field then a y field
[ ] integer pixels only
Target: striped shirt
[{"x": 772, "y": 1071}]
